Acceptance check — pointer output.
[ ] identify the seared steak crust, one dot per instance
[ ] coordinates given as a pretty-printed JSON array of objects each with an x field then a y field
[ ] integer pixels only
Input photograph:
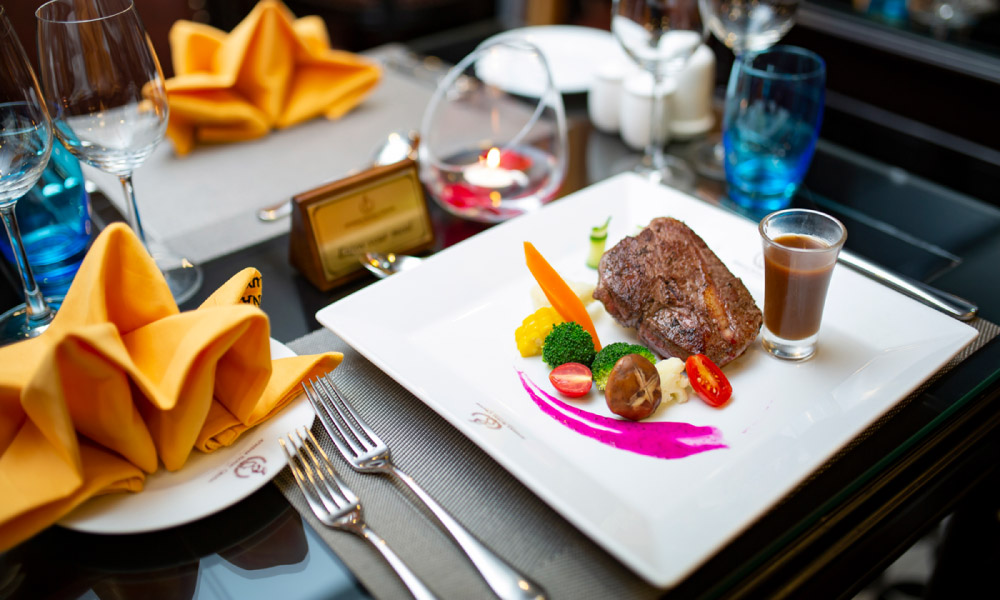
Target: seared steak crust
[{"x": 667, "y": 284}]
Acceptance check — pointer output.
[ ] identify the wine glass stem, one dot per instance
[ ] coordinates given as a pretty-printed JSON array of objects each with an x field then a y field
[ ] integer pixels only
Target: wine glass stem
[
  {"x": 654, "y": 150},
  {"x": 132, "y": 208},
  {"x": 38, "y": 311}
]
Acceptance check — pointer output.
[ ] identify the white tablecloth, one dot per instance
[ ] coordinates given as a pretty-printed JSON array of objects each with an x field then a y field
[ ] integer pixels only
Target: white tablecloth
[{"x": 204, "y": 205}]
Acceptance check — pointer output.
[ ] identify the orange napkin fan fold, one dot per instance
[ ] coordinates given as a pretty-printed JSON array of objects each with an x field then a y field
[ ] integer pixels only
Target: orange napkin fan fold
[
  {"x": 272, "y": 70},
  {"x": 122, "y": 382}
]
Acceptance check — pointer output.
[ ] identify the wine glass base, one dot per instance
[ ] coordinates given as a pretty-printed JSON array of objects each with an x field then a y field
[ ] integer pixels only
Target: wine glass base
[
  {"x": 184, "y": 282},
  {"x": 674, "y": 172},
  {"x": 183, "y": 277},
  {"x": 708, "y": 158},
  {"x": 15, "y": 325},
  {"x": 753, "y": 210}
]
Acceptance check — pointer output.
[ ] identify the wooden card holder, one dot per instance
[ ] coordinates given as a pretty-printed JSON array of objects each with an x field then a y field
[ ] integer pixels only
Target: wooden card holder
[{"x": 382, "y": 209}]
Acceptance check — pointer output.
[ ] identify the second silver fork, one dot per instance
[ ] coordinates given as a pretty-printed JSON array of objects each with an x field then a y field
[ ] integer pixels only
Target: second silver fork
[
  {"x": 366, "y": 452},
  {"x": 335, "y": 505}
]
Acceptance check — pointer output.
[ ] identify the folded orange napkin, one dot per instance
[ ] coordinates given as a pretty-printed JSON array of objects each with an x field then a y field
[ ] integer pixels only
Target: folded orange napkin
[
  {"x": 272, "y": 70},
  {"x": 122, "y": 382}
]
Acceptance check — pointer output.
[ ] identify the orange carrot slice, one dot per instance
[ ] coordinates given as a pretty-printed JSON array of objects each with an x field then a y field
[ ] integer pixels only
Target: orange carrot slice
[{"x": 560, "y": 295}]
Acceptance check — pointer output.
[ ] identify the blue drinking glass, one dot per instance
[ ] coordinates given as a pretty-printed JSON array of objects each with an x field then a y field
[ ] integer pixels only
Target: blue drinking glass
[
  {"x": 774, "y": 108},
  {"x": 55, "y": 223}
]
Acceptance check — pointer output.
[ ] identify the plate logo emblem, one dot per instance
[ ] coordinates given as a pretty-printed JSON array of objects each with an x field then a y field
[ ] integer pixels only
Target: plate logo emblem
[
  {"x": 485, "y": 420},
  {"x": 253, "y": 465},
  {"x": 365, "y": 205},
  {"x": 491, "y": 420}
]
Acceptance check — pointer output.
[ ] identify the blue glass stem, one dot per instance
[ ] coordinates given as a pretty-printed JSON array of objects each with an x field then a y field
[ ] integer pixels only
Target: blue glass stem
[
  {"x": 38, "y": 311},
  {"x": 132, "y": 208}
]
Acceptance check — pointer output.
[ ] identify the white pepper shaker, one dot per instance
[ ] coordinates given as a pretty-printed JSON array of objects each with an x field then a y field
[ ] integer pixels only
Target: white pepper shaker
[
  {"x": 691, "y": 111},
  {"x": 604, "y": 96},
  {"x": 637, "y": 100}
]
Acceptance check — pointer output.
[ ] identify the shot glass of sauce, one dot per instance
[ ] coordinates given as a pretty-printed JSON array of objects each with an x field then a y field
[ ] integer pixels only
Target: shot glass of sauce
[{"x": 800, "y": 252}]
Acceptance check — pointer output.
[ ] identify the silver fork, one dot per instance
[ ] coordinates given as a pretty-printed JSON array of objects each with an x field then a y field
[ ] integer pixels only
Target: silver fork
[
  {"x": 335, "y": 505},
  {"x": 366, "y": 452}
]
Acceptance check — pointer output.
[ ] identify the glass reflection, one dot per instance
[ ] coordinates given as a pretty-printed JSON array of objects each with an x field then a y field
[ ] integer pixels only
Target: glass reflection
[{"x": 258, "y": 549}]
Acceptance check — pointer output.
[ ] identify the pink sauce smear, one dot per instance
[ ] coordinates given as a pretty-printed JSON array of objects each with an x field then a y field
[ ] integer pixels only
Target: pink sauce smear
[{"x": 662, "y": 439}]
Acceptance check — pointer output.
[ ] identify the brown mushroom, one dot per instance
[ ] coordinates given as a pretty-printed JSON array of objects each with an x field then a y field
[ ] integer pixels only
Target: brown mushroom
[{"x": 633, "y": 387}]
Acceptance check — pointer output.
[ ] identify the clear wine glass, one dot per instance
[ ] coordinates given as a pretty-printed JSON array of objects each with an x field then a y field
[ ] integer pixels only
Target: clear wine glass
[
  {"x": 660, "y": 36},
  {"x": 743, "y": 26},
  {"x": 25, "y": 145},
  {"x": 108, "y": 103}
]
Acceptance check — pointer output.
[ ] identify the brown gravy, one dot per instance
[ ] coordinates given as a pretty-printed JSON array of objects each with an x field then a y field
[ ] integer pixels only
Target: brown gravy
[{"x": 796, "y": 284}]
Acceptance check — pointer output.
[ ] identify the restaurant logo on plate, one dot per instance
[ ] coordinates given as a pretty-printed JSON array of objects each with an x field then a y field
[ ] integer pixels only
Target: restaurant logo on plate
[
  {"x": 489, "y": 419},
  {"x": 244, "y": 465},
  {"x": 254, "y": 465}
]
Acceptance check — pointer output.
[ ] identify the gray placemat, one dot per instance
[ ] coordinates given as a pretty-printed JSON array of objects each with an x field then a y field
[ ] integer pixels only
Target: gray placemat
[
  {"x": 490, "y": 502},
  {"x": 477, "y": 491}
]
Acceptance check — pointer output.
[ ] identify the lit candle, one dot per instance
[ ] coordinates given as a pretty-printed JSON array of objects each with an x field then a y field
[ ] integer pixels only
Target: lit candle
[{"x": 489, "y": 174}]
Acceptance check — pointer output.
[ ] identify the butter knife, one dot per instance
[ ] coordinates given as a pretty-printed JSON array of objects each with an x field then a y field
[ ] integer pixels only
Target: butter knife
[{"x": 950, "y": 304}]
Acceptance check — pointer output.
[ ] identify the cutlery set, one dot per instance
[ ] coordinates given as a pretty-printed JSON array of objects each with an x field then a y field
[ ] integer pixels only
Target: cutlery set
[{"x": 336, "y": 506}]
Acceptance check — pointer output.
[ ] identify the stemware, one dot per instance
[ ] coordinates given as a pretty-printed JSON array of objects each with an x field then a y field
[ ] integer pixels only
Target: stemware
[
  {"x": 108, "y": 103},
  {"x": 493, "y": 140},
  {"x": 25, "y": 146},
  {"x": 660, "y": 36},
  {"x": 743, "y": 26},
  {"x": 55, "y": 222}
]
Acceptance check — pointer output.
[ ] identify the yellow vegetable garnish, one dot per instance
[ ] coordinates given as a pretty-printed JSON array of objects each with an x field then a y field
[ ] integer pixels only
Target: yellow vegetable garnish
[{"x": 530, "y": 336}]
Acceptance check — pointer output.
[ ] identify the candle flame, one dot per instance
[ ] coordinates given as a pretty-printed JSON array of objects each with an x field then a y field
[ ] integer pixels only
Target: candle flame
[{"x": 493, "y": 158}]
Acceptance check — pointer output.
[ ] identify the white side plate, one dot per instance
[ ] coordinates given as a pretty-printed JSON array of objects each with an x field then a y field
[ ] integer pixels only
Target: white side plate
[
  {"x": 205, "y": 485},
  {"x": 573, "y": 53}
]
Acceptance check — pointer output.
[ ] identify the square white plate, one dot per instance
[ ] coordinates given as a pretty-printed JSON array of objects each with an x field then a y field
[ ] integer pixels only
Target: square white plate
[{"x": 445, "y": 331}]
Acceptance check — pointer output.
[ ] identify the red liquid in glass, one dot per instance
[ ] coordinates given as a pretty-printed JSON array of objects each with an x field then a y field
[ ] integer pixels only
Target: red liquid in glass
[{"x": 795, "y": 285}]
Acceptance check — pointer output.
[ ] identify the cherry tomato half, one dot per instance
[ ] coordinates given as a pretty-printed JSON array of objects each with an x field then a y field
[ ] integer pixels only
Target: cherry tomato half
[
  {"x": 708, "y": 380},
  {"x": 572, "y": 379}
]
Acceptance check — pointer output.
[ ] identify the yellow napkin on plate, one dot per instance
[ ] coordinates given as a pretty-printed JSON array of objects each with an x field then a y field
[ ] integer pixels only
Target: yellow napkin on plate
[
  {"x": 272, "y": 70},
  {"x": 122, "y": 381}
]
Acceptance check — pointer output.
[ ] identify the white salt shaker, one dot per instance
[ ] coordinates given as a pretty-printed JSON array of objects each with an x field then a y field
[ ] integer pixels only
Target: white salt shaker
[
  {"x": 691, "y": 108},
  {"x": 604, "y": 96},
  {"x": 636, "y": 103}
]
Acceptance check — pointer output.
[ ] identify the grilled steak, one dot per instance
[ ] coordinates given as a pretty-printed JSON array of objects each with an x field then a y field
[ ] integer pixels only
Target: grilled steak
[{"x": 666, "y": 283}]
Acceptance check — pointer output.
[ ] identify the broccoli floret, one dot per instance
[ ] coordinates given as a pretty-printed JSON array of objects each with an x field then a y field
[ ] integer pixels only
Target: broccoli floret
[
  {"x": 609, "y": 355},
  {"x": 568, "y": 342}
]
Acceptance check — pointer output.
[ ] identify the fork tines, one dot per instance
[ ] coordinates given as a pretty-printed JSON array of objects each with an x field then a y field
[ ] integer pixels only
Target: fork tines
[
  {"x": 366, "y": 452},
  {"x": 337, "y": 415},
  {"x": 336, "y": 506},
  {"x": 322, "y": 487}
]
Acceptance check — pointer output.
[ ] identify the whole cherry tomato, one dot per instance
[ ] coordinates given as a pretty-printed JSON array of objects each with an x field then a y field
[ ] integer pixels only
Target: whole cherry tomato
[
  {"x": 708, "y": 380},
  {"x": 572, "y": 379}
]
